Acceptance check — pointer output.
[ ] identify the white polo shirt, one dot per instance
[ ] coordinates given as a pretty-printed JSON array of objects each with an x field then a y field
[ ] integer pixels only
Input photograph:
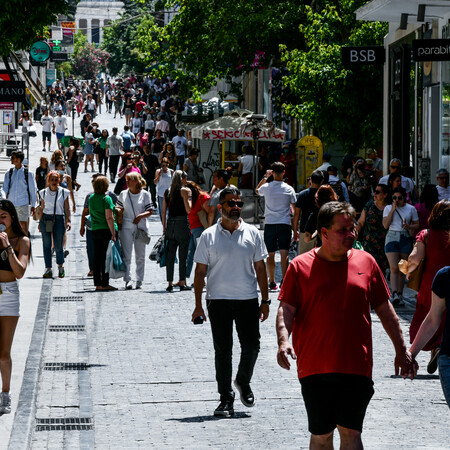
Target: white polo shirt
[
  {"x": 230, "y": 258},
  {"x": 278, "y": 197}
]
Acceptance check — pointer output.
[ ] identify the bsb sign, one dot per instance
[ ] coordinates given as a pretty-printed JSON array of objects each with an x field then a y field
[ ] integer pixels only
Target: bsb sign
[
  {"x": 12, "y": 91},
  {"x": 352, "y": 56},
  {"x": 431, "y": 49}
]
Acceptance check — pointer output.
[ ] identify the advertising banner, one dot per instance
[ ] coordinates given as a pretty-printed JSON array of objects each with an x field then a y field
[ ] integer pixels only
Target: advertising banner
[
  {"x": 12, "y": 91},
  {"x": 431, "y": 49}
]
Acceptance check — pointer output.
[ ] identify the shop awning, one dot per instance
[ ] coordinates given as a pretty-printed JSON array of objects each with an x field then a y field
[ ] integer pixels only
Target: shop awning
[
  {"x": 391, "y": 10},
  {"x": 228, "y": 128}
]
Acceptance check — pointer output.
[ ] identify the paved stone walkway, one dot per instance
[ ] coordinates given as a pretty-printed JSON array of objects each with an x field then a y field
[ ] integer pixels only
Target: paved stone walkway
[{"x": 148, "y": 380}]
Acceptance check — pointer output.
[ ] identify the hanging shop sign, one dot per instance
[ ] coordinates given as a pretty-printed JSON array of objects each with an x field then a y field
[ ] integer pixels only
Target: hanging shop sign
[
  {"x": 370, "y": 55},
  {"x": 40, "y": 51},
  {"x": 12, "y": 91},
  {"x": 431, "y": 49},
  {"x": 58, "y": 56}
]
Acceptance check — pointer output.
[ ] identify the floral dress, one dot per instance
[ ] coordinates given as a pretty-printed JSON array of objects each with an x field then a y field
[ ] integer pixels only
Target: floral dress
[{"x": 374, "y": 235}]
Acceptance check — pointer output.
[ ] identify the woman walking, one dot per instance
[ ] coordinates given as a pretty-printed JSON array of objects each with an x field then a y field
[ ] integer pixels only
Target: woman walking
[
  {"x": 176, "y": 228},
  {"x": 128, "y": 111},
  {"x": 163, "y": 180},
  {"x": 72, "y": 160},
  {"x": 129, "y": 164},
  {"x": 15, "y": 253},
  {"x": 88, "y": 150},
  {"x": 360, "y": 189},
  {"x": 371, "y": 222},
  {"x": 104, "y": 228},
  {"x": 41, "y": 173},
  {"x": 102, "y": 158},
  {"x": 135, "y": 204},
  {"x": 169, "y": 154},
  {"x": 54, "y": 222},
  {"x": 401, "y": 221}
]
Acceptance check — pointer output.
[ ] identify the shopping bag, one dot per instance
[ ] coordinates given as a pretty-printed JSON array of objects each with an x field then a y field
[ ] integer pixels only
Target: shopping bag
[
  {"x": 155, "y": 254},
  {"x": 163, "y": 254},
  {"x": 114, "y": 263}
]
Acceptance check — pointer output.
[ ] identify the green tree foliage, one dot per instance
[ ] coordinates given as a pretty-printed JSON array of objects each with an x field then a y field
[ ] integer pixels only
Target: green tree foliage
[
  {"x": 120, "y": 39},
  {"x": 338, "y": 103},
  {"x": 208, "y": 39},
  {"x": 22, "y": 20}
]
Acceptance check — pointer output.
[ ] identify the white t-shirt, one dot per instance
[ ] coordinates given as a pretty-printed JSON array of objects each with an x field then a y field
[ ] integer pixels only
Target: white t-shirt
[
  {"x": 407, "y": 212},
  {"x": 49, "y": 200},
  {"x": 248, "y": 162},
  {"x": 149, "y": 124},
  {"x": 47, "y": 122},
  {"x": 407, "y": 183},
  {"x": 180, "y": 143},
  {"x": 230, "y": 257},
  {"x": 278, "y": 197},
  {"x": 443, "y": 193},
  {"x": 60, "y": 124},
  {"x": 136, "y": 125},
  {"x": 141, "y": 203}
]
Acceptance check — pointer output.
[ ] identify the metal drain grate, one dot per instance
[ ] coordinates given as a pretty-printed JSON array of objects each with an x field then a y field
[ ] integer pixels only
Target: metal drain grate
[
  {"x": 70, "y": 298},
  {"x": 66, "y": 366},
  {"x": 66, "y": 328},
  {"x": 64, "y": 424}
]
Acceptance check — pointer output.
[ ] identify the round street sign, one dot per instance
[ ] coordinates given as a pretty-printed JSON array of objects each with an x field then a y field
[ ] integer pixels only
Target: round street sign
[{"x": 40, "y": 51}]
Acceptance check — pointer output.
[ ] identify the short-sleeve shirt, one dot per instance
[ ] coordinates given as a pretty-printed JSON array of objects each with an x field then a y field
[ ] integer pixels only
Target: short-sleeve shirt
[
  {"x": 49, "y": 197},
  {"x": 98, "y": 204},
  {"x": 278, "y": 197},
  {"x": 86, "y": 205},
  {"x": 194, "y": 221},
  {"x": 47, "y": 122},
  {"x": 133, "y": 205},
  {"x": 407, "y": 212},
  {"x": 332, "y": 330},
  {"x": 114, "y": 144},
  {"x": 441, "y": 287},
  {"x": 230, "y": 258},
  {"x": 214, "y": 201},
  {"x": 127, "y": 137},
  {"x": 306, "y": 202}
]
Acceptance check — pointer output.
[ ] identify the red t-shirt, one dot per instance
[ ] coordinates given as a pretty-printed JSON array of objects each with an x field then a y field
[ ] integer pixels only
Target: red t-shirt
[
  {"x": 194, "y": 221},
  {"x": 332, "y": 327}
]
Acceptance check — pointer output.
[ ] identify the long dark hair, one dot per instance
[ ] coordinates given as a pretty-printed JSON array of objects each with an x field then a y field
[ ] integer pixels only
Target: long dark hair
[
  {"x": 429, "y": 196},
  {"x": 8, "y": 206}
]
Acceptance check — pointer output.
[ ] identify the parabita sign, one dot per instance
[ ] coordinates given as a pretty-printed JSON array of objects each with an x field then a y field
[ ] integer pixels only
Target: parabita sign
[
  {"x": 431, "y": 49},
  {"x": 12, "y": 91}
]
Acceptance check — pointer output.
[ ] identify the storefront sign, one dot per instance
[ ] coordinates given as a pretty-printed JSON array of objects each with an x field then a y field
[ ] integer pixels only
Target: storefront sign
[
  {"x": 58, "y": 57},
  {"x": 362, "y": 55},
  {"x": 8, "y": 117},
  {"x": 431, "y": 49},
  {"x": 6, "y": 105},
  {"x": 12, "y": 91},
  {"x": 40, "y": 51},
  {"x": 235, "y": 135},
  {"x": 51, "y": 77}
]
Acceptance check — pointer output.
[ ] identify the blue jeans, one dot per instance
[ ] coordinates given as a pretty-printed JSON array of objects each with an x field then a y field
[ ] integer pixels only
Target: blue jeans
[
  {"x": 59, "y": 229},
  {"x": 196, "y": 233},
  {"x": 444, "y": 375}
]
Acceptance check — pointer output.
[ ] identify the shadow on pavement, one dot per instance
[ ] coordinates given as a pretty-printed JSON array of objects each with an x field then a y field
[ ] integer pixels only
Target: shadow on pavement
[{"x": 209, "y": 418}]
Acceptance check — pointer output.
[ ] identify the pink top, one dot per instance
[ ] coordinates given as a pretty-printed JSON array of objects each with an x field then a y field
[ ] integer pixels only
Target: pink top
[{"x": 132, "y": 169}]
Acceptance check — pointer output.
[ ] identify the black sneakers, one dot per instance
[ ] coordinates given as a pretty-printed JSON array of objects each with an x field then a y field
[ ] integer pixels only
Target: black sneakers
[
  {"x": 246, "y": 394},
  {"x": 225, "y": 408}
]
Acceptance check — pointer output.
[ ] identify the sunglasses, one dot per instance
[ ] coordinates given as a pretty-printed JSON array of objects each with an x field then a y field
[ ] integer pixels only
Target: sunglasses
[
  {"x": 233, "y": 203},
  {"x": 163, "y": 165},
  {"x": 443, "y": 178},
  {"x": 378, "y": 192},
  {"x": 399, "y": 197},
  {"x": 395, "y": 167}
]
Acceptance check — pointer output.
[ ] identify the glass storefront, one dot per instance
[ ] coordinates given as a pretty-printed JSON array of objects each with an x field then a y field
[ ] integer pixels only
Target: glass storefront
[{"x": 445, "y": 108}]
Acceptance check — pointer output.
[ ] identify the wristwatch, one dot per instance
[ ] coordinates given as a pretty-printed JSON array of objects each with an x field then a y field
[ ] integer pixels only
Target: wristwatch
[{"x": 266, "y": 302}]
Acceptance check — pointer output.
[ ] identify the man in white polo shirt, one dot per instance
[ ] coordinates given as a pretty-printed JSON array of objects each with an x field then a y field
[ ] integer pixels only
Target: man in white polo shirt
[
  {"x": 280, "y": 199},
  {"x": 231, "y": 255}
]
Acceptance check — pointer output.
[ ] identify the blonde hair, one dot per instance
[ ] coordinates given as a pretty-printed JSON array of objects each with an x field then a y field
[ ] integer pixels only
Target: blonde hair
[
  {"x": 42, "y": 159},
  {"x": 135, "y": 176},
  {"x": 57, "y": 155},
  {"x": 101, "y": 185}
]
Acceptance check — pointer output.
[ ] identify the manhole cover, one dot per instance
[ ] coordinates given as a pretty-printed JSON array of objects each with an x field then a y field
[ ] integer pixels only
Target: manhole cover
[
  {"x": 70, "y": 298},
  {"x": 64, "y": 424},
  {"x": 66, "y": 366}
]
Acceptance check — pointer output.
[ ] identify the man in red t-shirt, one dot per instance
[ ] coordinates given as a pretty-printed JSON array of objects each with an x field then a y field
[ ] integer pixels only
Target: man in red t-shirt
[{"x": 326, "y": 298}]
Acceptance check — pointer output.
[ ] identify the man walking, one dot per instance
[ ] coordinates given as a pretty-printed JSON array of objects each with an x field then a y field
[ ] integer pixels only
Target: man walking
[
  {"x": 231, "y": 254},
  {"x": 304, "y": 206},
  {"x": 128, "y": 138},
  {"x": 330, "y": 322},
  {"x": 180, "y": 143},
  {"x": 395, "y": 166},
  {"x": 60, "y": 126},
  {"x": 443, "y": 188},
  {"x": 19, "y": 186},
  {"x": 47, "y": 127},
  {"x": 279, "y": 198},
  {"x": 114, "y": 144}
]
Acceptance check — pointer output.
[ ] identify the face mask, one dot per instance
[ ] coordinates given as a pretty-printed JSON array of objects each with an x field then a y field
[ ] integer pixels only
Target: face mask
[
  {"x": 94, "y": 128},
  {"x": 61, "y": 172}
]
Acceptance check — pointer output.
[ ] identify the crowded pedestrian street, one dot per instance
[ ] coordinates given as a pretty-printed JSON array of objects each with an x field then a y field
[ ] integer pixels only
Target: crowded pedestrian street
[{"x": 127, "y": 368}]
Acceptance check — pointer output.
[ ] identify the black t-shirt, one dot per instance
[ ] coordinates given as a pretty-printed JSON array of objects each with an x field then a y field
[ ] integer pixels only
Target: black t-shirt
[
  {"x": 159, "y": 144},
  {"x": 41, "y": 176},
  {"x": 441, "y": 287},
  {"x": 307, "y": 203},
  {"x": 176, "y": 205},
  {"x": 151, "y": 161}
]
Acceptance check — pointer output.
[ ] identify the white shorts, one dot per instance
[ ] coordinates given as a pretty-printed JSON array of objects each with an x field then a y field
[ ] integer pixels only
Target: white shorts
[
  {"x": 23, "y": 213},
  {"x": 10, "y": 299}
]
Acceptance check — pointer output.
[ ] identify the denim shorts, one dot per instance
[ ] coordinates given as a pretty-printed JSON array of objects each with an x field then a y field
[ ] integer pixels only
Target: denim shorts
[
  {"x": 10, "y": 299},
  {"x": 398, "y": 242}
]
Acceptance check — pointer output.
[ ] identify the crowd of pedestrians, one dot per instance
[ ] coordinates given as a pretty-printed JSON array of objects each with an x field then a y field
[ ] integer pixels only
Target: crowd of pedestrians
[{"x": 356, "y": 227}]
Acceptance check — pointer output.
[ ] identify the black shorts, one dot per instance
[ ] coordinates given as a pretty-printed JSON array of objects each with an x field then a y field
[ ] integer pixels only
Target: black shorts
[
  {"x": 47, "y": 136},
  {"x": 336, "y": 399},
  {"x": 277, "y": 237}
]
